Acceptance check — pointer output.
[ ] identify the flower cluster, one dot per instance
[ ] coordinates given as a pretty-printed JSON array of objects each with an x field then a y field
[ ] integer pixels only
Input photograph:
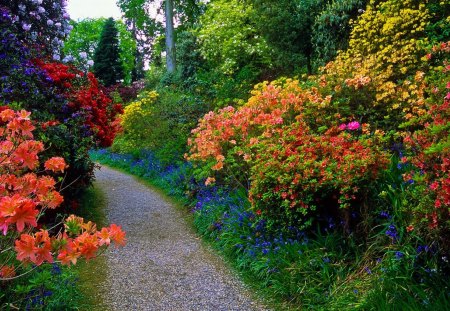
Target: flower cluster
[
  {"x": 85, "y": 97},
  {"x": 25, "y": 196},
  {"x": 44, "y": 24}
]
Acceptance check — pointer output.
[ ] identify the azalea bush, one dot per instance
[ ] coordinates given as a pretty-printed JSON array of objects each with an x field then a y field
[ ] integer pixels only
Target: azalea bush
[
  {"x": 159, "y": 122},
  {"x": 26, "y": 194},
  {"x": 290, "y": 158},
  {"x": 428, "y": 153}
]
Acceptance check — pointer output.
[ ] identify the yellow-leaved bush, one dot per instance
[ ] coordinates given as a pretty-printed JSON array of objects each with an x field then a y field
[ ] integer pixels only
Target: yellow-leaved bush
[
  {"x": 386, "y": 47},
  {"x": 135, "y": 125}
]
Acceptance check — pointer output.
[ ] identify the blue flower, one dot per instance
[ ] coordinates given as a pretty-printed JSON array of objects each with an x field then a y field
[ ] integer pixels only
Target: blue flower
[
  {"x": 392, "y": 232},
  {"x": 384, "y": 214},
  {"x": 399, "y": 255}
]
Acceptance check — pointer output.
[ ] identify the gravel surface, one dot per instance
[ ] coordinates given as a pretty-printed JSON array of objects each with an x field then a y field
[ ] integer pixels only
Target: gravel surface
[{"x": 164, "y": 265}]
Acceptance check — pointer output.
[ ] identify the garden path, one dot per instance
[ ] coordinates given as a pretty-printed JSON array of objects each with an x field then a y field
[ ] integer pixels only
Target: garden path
[{"x": 164, "y": 265}]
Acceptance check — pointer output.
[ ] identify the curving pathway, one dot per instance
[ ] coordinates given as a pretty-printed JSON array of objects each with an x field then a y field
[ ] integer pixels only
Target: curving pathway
[{"x": 164, "y": 265}]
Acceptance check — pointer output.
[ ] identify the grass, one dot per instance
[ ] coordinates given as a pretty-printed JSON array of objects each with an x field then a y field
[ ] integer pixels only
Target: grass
[{"x": 91, "y": 273}]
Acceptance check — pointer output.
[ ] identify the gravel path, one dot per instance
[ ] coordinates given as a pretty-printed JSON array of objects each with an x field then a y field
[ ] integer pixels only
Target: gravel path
[{"x": 164, "y": 265}]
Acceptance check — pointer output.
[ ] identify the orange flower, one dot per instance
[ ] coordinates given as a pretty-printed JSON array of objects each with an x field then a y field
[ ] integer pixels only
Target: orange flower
[
  {"x": 7, "y": 272},
  {"x": 25, "y": 248},
  {"x": 103, "y": 236},
  {"x": 117, "y": 235},
  {"x": 55, "y": 164},
  {"x": 25, "y": 213}
]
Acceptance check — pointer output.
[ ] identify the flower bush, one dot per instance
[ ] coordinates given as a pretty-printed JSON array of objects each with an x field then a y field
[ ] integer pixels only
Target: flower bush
[
  {"x": 386, "y": 47},
  {"x": 85, "y": 98},
  {"x": 293, "y": 158},
  {"x": 135, "y": 124},
  {"x": 27, "y": 194},
  {"x": 74, "y": 111},
  {"x": 429, "y": 152},
  {"x": 42, "y": 24}
]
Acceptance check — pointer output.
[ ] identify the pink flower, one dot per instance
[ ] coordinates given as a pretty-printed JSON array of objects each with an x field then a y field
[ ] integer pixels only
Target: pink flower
[
  {"x": 353, "y": 126},
  {"x": 343, "y": 127}
]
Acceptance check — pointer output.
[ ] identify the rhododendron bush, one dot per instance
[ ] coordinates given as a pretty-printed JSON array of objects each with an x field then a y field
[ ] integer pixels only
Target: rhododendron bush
[
  {"x": 293, "y": 157},
  {"x": 86, "y": 98},
  {"x": 26, "y": 194}
]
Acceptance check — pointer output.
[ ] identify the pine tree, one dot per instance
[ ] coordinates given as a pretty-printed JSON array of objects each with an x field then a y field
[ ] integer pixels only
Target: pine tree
[{"x": 107, "y": 64}]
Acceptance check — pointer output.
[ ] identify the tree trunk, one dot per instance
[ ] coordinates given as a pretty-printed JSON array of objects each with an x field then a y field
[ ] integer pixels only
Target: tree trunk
[{"x": 170, "y": 39}]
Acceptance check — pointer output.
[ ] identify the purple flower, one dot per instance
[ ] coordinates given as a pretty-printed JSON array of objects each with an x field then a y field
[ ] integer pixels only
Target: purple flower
[
  {"x": 353, "y": 126},
  {"x": 384, "y": 214},
  {"x": 83, "y": 55},
  {"x": 41, "y": 10},
  {"x": 58, "y": 25},
  {"x": 68, "y": 58},
  {"x": 90, "y": 62},
  {"x": 26, "y": 27},
  {"x": 50, "y": 22}
]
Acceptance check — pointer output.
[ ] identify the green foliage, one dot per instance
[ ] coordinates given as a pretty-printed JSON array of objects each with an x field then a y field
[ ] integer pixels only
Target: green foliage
[
  {"x": 107, "y": 65},
  {"x": 49, "y": 287},
  {"x": 287, "y": 28},
  {"x": 229, "y": 38},
  {"x": 159, "y": 122},
  {"x": 439, "y": 28},
  {"x": 84, "y": 37},
  {"x": 331, "y": 30}
]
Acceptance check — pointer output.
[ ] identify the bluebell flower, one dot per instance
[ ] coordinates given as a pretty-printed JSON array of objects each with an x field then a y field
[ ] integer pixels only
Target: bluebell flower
[
  {"x": 399, "y": 255},
  {"x": 392, "y": 232},
  {"x": 384, "y": 214}
]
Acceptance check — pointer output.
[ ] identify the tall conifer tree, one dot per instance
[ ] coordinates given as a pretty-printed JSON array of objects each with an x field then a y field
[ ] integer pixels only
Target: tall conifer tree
[{"x": 107, "y": 65}]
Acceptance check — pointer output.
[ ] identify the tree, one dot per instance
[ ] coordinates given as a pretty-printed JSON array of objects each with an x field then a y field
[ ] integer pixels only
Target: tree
[
  {"x": 331, "y": 29},
  {"x": 143, "y": 18},
  {"x": 84, "y": 39},
  {"x": 229, "y": 38},
  {"x": 107, "y": 65},
  {"x": 170, "y": 38}
]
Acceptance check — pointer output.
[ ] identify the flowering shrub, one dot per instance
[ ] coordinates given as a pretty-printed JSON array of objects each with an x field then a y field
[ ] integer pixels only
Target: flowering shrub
[
  {"x": 429, "y": 151},
  {"x": 43, "y": 24},
  {"x": 86, "y": 98},
  {"x": 293, "y": 157},
  {"x": 135, "y": 124},
  {"x": 26, "y": 195},
  {"x": 385, "y": 49},
  {"x": 298, "y": 170}
]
